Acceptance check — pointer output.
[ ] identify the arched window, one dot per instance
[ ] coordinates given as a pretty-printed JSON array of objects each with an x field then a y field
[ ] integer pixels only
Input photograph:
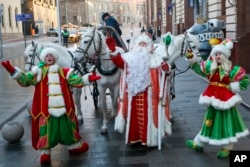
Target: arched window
[
  {"x": 9, "y": 13},
  {"x": 16, "y": 12}
]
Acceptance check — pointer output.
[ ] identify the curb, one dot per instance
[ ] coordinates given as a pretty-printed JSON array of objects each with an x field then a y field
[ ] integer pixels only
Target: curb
[{"x": 10, "y": 117}]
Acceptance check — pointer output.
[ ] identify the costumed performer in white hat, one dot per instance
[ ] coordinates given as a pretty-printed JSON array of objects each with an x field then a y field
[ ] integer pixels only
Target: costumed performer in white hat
[
  {"x": 222, "y": 125},
  {"x": 53, "y": 111}
]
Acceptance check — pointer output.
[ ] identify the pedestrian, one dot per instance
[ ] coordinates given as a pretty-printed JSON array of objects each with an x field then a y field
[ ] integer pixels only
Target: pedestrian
[
  {"x": 65, "y": 36},
  {"x": 131, "y": 32},
  {"x": 151, "y": 34},
  {"x": 222, "y": 125},
  {"x": 37, "y": 30},
  {"x": 139, "y": 103},
  {"x": 143, "y": 30},
  {"x": 111, "y": 21},
  {"x": 53, "y": 111}
]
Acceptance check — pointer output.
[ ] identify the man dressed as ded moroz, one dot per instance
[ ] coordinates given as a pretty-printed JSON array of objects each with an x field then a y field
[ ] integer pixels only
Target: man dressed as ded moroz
[
  {"x": 140, "y": 102},
  {"x": 53, "y": 111}
]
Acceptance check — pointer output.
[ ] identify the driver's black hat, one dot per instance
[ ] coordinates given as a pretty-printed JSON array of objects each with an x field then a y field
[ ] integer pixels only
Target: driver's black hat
[{"x": 104, "y": 15}]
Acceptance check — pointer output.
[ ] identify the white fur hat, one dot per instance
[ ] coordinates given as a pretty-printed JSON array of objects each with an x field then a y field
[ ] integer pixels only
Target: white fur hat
[
  {"x": 47, "y": 51},
  {"x": 224, "y": 47},
  {"x": 144, "y": 38}
]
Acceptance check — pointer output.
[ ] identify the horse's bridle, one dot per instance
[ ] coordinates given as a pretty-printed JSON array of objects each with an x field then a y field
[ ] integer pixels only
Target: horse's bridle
[
  {"x": 187, "y": 42},
  {"x": 85, "y": 51},
  {"x": 33, "y": 56}
]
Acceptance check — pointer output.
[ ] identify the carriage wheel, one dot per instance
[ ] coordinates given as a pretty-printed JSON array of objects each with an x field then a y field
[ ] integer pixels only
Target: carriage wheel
[{"x": 95, "y": 95}]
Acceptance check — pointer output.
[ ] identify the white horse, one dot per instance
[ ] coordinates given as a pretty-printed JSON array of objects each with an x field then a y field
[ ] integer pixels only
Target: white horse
[
  {"x": 93, "y": 45},
  {"x": 66, "y": 59},
  {"x": 175, "y": 47}
]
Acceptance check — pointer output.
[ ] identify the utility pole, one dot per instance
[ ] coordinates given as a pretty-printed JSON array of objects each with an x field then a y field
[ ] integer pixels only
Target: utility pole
[
  {"x": 1, "y": 44},
  {"x": 59, "y": 23}
]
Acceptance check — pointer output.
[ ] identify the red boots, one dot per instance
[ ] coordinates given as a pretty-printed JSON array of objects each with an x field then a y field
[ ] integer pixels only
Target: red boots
[
  {"x": 83, "y": 148},
  {"x": 45, "y": 159}
]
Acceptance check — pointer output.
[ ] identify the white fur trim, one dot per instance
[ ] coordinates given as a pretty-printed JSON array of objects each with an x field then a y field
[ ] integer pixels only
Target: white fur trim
[
  {"x": 119, "y": 121},
  {"x": 38, "y": 72},
  {"x": 221, "y": 142},
  {"x": 152, "y": 131},
  {"x": 223, "y": 49},
  {"x": 71, "y": 70},
  {"x": 155, "y": 60},
  {"x": 47, "y": 51},
  {"x": 17, "y": 74},
  {"x": 218, "y": 104},
  {"x": 144, "y": 38},
  {"x": 114, "y": 53},
  {"x": 235, "y": 87},
  {"x": 85, "y": 79},
  {"x": 56, "y": 100},
  {"x": 74, "y": 146},
  {"x": 57, "y": 112},
  {"x": 45, "y": 151}
]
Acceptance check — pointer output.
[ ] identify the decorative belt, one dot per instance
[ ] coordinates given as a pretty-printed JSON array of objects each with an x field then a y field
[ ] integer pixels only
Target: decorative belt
[{"x": 218, "y": 84}]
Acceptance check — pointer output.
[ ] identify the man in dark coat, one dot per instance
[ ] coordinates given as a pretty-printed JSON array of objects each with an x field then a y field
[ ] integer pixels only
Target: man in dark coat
[{"x": 111, "y": 21}]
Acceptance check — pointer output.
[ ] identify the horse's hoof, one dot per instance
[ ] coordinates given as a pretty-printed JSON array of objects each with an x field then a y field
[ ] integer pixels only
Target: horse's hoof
[{"x": 104, "y": 131}]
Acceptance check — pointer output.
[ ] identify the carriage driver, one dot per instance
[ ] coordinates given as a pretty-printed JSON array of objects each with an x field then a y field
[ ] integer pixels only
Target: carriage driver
[{"x": 53, "y": 111}]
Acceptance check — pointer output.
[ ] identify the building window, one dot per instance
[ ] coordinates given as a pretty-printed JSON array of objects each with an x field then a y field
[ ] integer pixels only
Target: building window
[
  {"x": 16, "y": 12},
  {"x": 9, "y": 13}
]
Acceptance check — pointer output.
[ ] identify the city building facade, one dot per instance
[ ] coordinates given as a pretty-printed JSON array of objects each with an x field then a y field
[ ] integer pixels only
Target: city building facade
[
  {"x": 10, "y": 28},
  {"x": 82, "y": 12},
  {"x": 177, "y": 15}
]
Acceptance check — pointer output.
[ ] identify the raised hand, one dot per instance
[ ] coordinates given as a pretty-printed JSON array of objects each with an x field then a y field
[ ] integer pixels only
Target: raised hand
[
  {"x": 8, "y": 66},
  {"x": 94, "y": 77}
]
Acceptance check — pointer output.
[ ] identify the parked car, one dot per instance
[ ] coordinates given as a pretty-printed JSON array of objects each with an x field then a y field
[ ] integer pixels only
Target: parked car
[
  {"x": 82, "y": 31},
  {"x": 74, "y": 36},
  {"x": 52, "y": 32}
]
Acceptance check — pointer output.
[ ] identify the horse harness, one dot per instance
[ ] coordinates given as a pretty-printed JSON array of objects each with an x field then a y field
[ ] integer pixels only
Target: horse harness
[
  {"x": 33, "y": 56},
  {"x": 96, "y": 59}
]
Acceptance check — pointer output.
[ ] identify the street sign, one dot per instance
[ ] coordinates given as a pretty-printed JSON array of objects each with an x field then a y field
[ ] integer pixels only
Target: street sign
[{"x": 23, "y": 17}]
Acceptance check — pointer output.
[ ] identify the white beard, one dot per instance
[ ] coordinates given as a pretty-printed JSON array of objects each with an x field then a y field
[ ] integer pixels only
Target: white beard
[{"x": 138, "y": 70}]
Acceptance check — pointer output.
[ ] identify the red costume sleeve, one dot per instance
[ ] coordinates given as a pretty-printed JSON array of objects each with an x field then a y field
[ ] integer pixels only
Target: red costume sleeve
[{"x": 118, "y": 61}]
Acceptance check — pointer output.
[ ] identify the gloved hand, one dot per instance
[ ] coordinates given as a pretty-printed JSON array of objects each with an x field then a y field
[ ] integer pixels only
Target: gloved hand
[
  {"x": 165, "y": 67},
  {"x": 189, "y": 54},
  {"x": 7, "y": 65},
  {"x": 94, "y": 77}
]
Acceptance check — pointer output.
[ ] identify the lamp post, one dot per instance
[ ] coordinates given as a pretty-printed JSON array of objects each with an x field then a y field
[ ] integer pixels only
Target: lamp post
[
  {"x": 1, "y": 45},
  {"x": 59, "y": 22}
]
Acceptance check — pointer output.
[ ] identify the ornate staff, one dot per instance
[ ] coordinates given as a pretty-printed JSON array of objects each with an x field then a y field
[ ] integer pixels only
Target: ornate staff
[{"x": 162, "y": 94}]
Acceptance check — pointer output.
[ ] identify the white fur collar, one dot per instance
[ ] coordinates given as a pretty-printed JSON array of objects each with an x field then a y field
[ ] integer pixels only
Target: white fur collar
[
  {"x": 54, "y": 68},
  {"x": 155, "y": 60}
]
